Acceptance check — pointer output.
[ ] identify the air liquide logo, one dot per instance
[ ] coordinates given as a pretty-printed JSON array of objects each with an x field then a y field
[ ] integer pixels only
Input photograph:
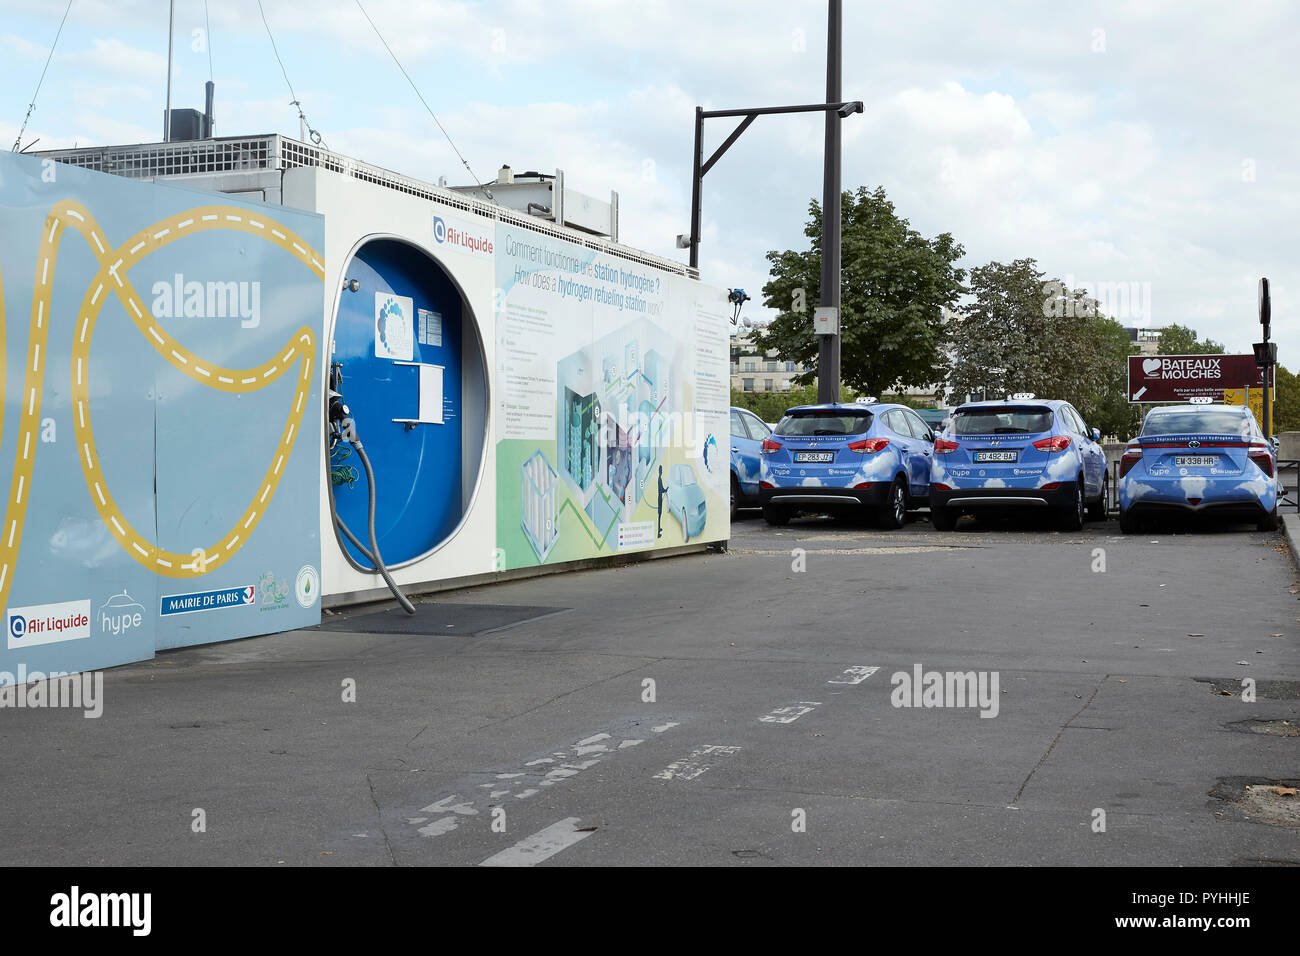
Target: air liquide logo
[
  {"x": 119, "y": 614},
  {"x": 1206, "y": 367},
  {"x": 180, "y": 299},
  {"x": 47, "y": 624},
  {"x": 463, "y": 236}
]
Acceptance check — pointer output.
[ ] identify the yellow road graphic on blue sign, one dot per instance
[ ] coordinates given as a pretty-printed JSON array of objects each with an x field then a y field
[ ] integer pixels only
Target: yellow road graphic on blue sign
[{"x": 111, "y": 279}]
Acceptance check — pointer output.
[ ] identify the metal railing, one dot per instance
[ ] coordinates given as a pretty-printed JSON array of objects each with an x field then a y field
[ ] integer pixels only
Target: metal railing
[{"x": 272, "y": 151}]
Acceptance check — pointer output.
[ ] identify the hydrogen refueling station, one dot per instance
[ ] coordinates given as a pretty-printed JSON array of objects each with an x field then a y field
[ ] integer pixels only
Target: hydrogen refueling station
[{"x": 247, "y": 377}]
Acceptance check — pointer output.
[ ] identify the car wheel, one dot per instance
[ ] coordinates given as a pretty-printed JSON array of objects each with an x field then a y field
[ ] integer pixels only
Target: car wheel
[
  {"x": 1097, "y": 511},
  {"x": 1073, "y": 515},
  {"x": 943, "y": 519},
  {"x": 893, "y": 512},
  {"x": 1268, "y": 522},
  {"x": 776, "y": 516},
  {"x": 1128, "y": 522},
  {"x": 735, "y": 497}
]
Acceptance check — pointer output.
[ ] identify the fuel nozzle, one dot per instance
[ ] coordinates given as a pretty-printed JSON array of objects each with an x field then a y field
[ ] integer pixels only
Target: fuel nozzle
[{"x": 340, "y": 416}]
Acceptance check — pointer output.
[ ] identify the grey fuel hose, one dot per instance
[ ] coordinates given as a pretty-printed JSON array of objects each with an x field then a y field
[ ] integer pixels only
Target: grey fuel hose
[{"x": 372, "y": 555}]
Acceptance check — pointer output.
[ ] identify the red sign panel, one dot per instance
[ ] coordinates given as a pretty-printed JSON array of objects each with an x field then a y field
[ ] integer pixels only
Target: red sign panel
[{"x": 1176, "y": 378}]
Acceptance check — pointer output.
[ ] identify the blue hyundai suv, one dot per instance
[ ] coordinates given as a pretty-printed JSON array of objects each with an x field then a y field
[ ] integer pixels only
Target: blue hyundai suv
[
  {"x": 859, "y": 458},
  {"x": 1020, "y": 453},
  {"x": 1199, "y": 458},
  {"x": 748, "y": 432}
]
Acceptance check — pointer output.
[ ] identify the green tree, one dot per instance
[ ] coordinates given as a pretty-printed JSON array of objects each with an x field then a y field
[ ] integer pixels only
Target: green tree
[
  {"x": 771, "y": 406},
  {"x": 894, "y": 285},
  {"x": 1025, "y": 333},
  {"x": 1106, "y": 405},
  {"x": 1286, "y": 401},
  {"x": 1180, "y": 340}
]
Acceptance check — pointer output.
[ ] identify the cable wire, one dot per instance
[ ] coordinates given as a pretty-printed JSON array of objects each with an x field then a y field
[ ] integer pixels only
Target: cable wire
[
  {"x": 315, "y": 136},
  {"x": 31, "y": 106},
  {"x": 463, "y": 160}
]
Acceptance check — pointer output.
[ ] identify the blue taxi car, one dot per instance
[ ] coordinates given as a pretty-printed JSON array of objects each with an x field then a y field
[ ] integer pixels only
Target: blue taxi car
[
  {"x": 859, "y": 458},
  {"x": 1023, "y": 452},
  {"x": 748, "y": 432},
  {"x": 1199, "y": 458}
]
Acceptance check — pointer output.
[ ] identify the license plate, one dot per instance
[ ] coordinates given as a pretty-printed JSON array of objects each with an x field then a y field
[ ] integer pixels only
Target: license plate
[
  {"x": 814, "y": 456},
  {"x": 996, "y": 455},
  {"x": 1195, "y": 461}
]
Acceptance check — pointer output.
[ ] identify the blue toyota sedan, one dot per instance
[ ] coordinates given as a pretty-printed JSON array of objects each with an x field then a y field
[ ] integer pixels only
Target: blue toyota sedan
[
  {"x": 859, "y": 459},
  {"x": 1024, "y": 452},
  {"x": 1199, "y": 459}
]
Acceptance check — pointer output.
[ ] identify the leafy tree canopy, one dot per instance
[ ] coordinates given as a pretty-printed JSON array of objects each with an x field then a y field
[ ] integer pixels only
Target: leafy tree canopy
[{"x": 894, "y": 285}]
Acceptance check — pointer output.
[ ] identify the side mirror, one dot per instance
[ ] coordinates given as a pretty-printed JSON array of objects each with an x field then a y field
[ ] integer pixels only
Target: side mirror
[{"x": 1095, "y": 433}]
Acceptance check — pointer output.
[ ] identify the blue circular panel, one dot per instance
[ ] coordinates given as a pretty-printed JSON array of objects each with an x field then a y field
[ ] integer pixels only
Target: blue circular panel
[{"x": 405, "y": 305}]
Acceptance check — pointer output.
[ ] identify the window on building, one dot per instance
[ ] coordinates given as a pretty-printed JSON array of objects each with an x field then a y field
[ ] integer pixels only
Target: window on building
[
  {"x": 747, "y": 385},
  {"x": 751, "y": 366},
  {"x": 767, "y": 385},
  {"x": 789, "y": 366},
  {"x": 771, "y": 367}
]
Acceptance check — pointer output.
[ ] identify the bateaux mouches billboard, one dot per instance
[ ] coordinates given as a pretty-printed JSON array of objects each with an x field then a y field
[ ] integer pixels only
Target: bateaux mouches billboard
[
  {"x": 612, "y": 404},
  {"x": 161, "y": 428},
  {"x": 1176, "y": 378}
]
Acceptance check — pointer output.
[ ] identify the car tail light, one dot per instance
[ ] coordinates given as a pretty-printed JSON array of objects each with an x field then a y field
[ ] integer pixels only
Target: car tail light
[
  {"x": 1055, "y": 443},
  {"x": 868, "y": 446},
  {"x": 770, "y": 446},
  {"x": 943, "y": 447},
  {"x": 1260, "y": 455},
  {"x": 1050, "y": 486},
  {"x": 863, "y": 486},
  {"x": 942, "y": 487},
  {"x": 1132, "y": 455},
  {"x": 766, "y": 484}
]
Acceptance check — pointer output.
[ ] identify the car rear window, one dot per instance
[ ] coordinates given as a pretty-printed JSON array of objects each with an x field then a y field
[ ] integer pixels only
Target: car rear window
[
  {"x": 1196, "y": 421},
  {"x": 1001, "y": 420},
  {"x": 824, "y": 423}
]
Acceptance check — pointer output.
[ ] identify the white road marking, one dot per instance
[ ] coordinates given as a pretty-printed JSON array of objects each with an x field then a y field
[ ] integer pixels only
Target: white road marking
[
  {"x": 693, "y": 765},
  {"x": 854, "y": 675},
  {"x": 531, "y": 777},
  {"x": 789, "y": 714},
  {"x": 541, "y": 846}
]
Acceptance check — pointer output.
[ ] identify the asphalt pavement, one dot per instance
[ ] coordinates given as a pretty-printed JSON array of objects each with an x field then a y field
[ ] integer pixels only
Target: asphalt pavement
[{"x": 733, "y": 709}]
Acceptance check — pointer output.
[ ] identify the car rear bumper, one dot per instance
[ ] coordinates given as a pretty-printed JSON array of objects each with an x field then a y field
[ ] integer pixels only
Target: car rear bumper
[
  {"x": 1252, "y": 509},
  {"x": 977, "y": 498},
  {"x": 1238, "y": 496},
  {"x": 821, "y": 498}
]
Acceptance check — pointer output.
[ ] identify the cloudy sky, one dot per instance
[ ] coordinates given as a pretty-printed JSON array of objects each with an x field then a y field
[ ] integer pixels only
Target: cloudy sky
[{"x": 1148, "y": 143}]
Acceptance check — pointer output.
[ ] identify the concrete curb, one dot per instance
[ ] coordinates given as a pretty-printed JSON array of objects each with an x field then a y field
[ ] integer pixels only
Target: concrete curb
[{"x": 1291, "y": 525}]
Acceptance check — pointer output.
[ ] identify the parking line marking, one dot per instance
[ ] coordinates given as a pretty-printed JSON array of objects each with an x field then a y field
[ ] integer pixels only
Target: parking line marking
[
  {"x": 791, "y": 712},
  {"x": 541, "y": 846},
  {"x": 693, "y": 765},
  {"x": 854, "y": 675}
]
